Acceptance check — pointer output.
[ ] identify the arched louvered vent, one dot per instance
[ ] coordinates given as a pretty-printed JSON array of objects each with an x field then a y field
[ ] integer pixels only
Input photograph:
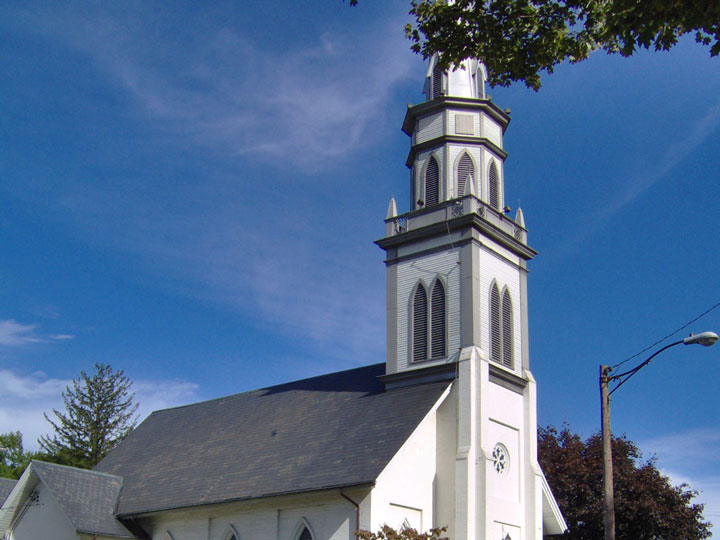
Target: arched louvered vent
[
  {"x": 413, "y": 188},
  {"x": 432, "y": 183},
  {"x": 420, "y": 320},
  {"x": 437, "y": 321},
  {"x": 495, "y": 334},
  {"x": 437, "y": 81},
  {"x": 465, "y": 170},
  {"x": 494, "y": 186},
  {"x": 507, "y": 330}
]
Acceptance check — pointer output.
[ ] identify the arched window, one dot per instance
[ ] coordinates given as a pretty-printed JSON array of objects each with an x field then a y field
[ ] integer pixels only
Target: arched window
[
  {"x": 305, "y": 534},
  {"x": 419, "y": 320},
  {"x": 437, "y": 321},
  {"x": 507, "y": 330},
  {"x": 495, "y": 332},
  {"x": 432, "y": 182},
  {"x": 413, "y": 188},
  {"x": 494, "y": 186},
  {"x": 437, "y": 81},
  {"x": 465, "y": 173},
  {"x": 230, "y": 534}
]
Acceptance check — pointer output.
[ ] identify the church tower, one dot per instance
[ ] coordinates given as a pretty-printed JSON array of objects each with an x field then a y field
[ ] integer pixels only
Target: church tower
[{"x": 457, "y": 309}]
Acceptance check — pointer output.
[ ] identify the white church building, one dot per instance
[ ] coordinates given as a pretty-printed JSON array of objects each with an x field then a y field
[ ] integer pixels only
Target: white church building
[{"x": 443, "y": 433}]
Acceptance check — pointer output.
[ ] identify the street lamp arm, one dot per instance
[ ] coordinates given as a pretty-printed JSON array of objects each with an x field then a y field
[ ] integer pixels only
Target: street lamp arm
[
  {"x": 706, "y": 339},
  {"x": 623, "y": 377}
]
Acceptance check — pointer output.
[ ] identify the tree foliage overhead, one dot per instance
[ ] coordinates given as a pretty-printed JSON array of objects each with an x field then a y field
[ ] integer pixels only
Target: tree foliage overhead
[
  {"x": 519, "y": 39},
  {"x": 647, "y": 506},
  {"x": 99, "y": 413}
]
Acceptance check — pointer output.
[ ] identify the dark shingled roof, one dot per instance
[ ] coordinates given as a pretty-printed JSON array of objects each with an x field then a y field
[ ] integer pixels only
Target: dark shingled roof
[
  {"x": 6, "y": 486},
  {"x": 334, "y": 430},
  {"x": 87, "y": 498}
]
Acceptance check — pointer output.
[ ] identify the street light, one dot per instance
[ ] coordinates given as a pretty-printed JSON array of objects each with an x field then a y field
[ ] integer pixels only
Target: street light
[{"x": 706, "y": 339}]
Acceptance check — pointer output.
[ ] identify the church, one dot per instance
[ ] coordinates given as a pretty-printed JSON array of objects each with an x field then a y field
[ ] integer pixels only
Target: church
[{"x": 441, "y": 434}]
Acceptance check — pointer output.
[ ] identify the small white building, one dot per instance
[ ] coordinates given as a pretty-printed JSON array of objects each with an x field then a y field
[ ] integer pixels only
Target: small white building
[{"x": 443, "y": 433}]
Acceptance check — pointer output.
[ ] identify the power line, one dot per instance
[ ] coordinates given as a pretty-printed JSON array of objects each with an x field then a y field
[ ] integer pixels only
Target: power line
[{"x": 683, "y": 327}]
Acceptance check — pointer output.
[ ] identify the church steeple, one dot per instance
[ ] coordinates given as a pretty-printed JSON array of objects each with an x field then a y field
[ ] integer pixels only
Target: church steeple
[
  {"x": 457, "y": 311},
  {"x": 455, "y": 261},
  {"x": 457, "y": 136}
]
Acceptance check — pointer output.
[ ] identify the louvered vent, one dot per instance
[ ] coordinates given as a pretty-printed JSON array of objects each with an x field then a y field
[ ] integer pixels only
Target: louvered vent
[
  {"x": 436, "y": 81},
  {"x": 494, "y": 187},
  {"x": 495, "y": 339},
  {"x": 507, "y": 330},
  {"x": 420, "y": 318},
  {"x": 432, "y": 182},
  {"x": 437, "y": 322},
  {"x": 465, "y": 171}
]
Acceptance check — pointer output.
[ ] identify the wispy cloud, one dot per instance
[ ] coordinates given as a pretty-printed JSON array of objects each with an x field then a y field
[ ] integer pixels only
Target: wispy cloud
[
  {"x": 25, "y": 397},
  {"x": 693, "y": 458},
  {"x": 61, "y": 337},
  {"x": 314, "y": 102},
  {"x": 639, "y": 183},
  {"x": 15, "y": 334},
  {"x": 310, "y": 106}
]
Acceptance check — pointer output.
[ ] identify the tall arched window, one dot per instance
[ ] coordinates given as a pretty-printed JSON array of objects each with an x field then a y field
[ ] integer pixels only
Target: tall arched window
[
  {"x": 419, "y": 321},
  {"x": 437, "y": 321},
  {"x": 432, "y": 182},
  {"x": 507, "y": 330},
  {"x": 495, "y": 332},
  {"x": 494, "y": 186},
  {"x": 305, "y": 534},
  {"x": 437, "y": 81},
  {"x": 230, "y": 534},
  {"x": 465, "y": 173}
]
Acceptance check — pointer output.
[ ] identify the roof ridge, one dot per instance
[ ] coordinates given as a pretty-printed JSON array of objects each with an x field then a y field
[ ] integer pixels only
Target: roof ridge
[
  {"x": 80, "y": 469},
  {"x": 264, "y": 388}
]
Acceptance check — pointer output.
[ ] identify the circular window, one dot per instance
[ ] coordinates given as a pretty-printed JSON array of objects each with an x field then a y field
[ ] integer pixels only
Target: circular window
[{"x": 501, "y": 459}]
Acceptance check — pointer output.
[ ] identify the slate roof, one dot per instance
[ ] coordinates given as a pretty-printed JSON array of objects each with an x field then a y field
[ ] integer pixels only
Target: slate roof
[
  {"x": 335, "y": 430},
  {"x": 86, "y": 497},
  {"x": 6, "y": 486}
]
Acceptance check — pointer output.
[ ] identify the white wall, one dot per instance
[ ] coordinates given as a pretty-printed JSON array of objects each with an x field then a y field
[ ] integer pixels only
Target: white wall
[
  {"x": 327, "y": 515},
  {"x": 407, "y": 489},
  {"x": 43, "y": 520}
]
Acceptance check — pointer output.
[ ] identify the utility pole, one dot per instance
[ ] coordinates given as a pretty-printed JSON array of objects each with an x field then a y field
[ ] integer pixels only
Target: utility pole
[{"x": 607, "y": 454}]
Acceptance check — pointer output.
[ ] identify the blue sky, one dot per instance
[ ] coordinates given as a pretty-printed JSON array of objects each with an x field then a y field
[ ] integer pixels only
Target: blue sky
[{"x": 190, "y": 193}]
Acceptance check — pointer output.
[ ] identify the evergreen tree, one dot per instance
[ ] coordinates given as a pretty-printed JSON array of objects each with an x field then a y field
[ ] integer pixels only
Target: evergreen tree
[
  {"x": 99, "y": 413},
  {"x": 647, "y": 505}
]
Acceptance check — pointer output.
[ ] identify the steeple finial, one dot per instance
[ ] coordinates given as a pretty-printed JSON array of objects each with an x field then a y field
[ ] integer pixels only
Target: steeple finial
[
  {"x": 466, "y": 80},
  {"x": 392, "y": 209}
]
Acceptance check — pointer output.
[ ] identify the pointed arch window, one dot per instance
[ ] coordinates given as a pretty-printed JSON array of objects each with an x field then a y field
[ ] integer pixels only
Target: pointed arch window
[
  {"x": 437, "y": 81},
  {"x": 495, "y": 332},
  {"x": 494, "y": 186},
  {"x": 305, "y": 534},
  {"x": 230, "y": 534},
  {"x": 438, "y": 327},
  {"x": 432, "y": 182},
  {"x": 501, "y": 327},
  {"x": 419, "y": 328},
  {"x": 465, "y": 173},
  {"x": 507, "y": 330}
]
